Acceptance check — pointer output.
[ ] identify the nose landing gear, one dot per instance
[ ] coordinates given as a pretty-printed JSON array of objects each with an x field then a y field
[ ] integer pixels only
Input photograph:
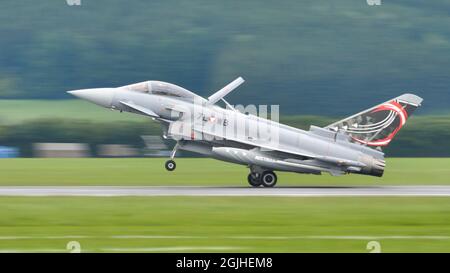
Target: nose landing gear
[{"x": 170, "y": 164}]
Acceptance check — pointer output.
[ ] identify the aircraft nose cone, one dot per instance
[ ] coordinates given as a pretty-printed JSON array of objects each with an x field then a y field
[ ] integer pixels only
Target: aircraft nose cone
[{"x": 99, "y": 96}]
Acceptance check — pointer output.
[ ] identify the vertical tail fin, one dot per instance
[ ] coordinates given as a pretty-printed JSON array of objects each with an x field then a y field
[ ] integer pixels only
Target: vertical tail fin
[{"x": 378, "y": 125}]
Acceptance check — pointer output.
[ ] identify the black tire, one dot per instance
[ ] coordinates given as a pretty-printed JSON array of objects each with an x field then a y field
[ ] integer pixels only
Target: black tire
[
  {"x": 170, "y": 165},
  {"x": 268, "y": 179},
  {"x": 254, "y": 182}
]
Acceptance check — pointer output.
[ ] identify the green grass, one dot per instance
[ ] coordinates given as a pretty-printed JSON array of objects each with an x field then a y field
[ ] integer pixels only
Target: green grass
[
  {"x": 236, "y": 224},
  {"x": 18, "y": 111},
  {"x": 201, "y": 171},
  {"x": 222, "y": 224}
]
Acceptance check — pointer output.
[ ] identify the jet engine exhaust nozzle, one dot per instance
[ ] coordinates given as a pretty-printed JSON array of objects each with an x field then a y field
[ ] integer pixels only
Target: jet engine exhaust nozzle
[{"x": 374, "y": 167}]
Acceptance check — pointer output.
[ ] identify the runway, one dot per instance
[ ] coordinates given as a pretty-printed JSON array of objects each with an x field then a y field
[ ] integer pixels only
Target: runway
[{"x": 149, "y": 191}]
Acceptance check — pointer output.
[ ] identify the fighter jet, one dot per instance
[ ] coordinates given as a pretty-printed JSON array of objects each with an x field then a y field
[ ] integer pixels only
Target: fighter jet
[{"x": 213, "y": 127}]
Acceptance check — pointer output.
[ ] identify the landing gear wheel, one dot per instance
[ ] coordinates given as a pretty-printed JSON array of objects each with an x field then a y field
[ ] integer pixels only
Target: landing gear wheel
[
  {"x": 170, "y": 165},
  {"x": 253, "y": 181},
  {"x": 268, "y": 179}
]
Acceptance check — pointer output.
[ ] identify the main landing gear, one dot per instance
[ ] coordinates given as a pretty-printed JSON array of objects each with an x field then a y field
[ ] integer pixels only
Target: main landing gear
[
  {"x": 170, "y": 164},
  {"x": 266, "y": 178}
]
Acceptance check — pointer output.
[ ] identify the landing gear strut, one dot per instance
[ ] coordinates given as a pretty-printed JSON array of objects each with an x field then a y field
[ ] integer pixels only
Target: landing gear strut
[{"x": 170, "y": 164}]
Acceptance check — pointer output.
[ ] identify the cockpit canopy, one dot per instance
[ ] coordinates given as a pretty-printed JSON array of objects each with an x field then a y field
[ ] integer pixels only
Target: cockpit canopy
[{"x": 162, "y": 88}]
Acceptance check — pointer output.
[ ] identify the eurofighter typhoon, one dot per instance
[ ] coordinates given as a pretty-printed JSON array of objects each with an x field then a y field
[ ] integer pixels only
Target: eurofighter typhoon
[{"x": 201, "y": 125}]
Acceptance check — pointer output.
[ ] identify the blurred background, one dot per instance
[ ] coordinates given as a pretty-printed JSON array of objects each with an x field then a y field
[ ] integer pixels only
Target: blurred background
[{"x": 318, "y": 59}]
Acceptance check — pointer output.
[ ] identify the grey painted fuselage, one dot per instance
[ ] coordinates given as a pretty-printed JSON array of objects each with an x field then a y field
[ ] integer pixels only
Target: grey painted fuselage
[{"x": 201, "y": 126}]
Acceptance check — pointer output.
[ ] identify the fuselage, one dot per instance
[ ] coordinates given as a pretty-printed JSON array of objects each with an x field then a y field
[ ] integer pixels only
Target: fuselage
[
  {"x": 211, "y": 129},
  {"x": 244, "y": 137}
]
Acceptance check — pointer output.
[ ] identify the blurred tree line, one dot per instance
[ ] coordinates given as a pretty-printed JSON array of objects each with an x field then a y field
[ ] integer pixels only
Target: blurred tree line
[
  {"x": 75, "y": 131},
  {"x": 315, "y": 57},
  {"x": 421, "y": 137}
]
